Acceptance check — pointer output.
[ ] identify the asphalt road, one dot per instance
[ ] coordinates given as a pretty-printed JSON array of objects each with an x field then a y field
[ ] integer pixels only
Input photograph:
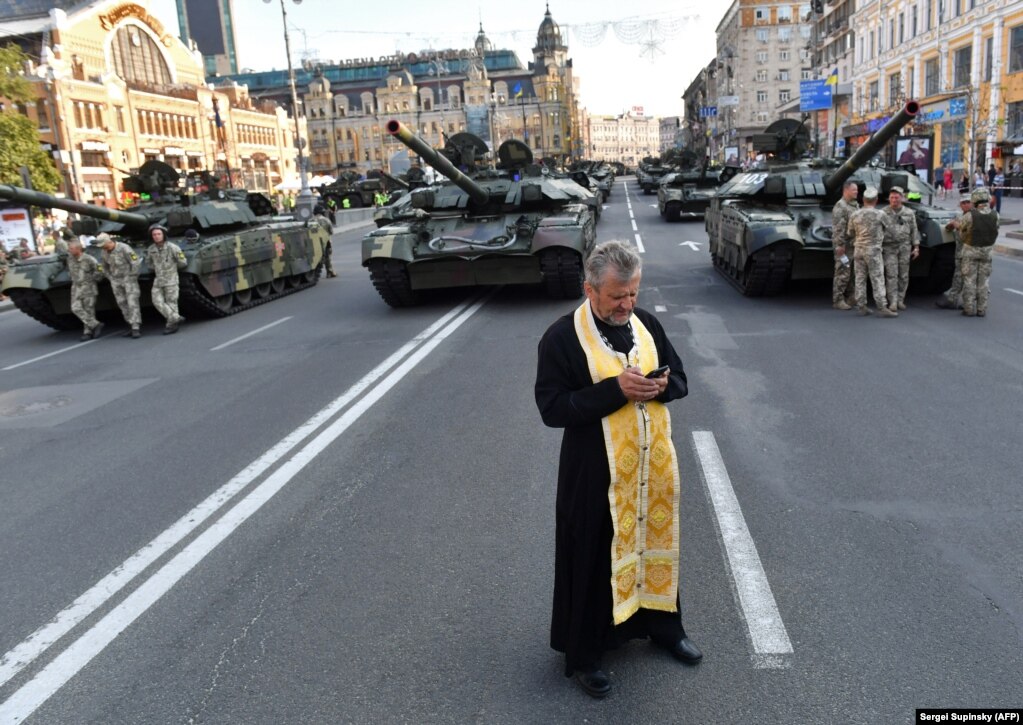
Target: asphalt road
[{"x": 191, "y": 535}]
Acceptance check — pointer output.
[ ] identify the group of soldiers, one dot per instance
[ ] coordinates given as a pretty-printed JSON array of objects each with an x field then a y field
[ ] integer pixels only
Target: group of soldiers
[
  {"x": 120, "y": 265},
  {"x": 885, "y": 241}
]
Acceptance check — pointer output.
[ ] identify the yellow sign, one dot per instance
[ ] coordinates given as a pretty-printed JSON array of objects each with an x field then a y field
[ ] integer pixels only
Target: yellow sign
[{"x": 131, "y": 10}]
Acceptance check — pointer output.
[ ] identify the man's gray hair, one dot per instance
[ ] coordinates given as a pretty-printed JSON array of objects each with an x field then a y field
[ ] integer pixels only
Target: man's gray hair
[{"x": 616, "y": 256}]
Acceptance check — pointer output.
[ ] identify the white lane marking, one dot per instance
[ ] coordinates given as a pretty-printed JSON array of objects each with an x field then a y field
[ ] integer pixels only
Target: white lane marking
[
  {"x": 39, "y": 641},
  {"x": 634, "y": 227},
  {"x": 639, "y": 245},
  {"x": 1007, "y": 289},
  {"x": 51, "y": 354},
  {"x": 250, "y": 334},
  {"x": 770, "y": 641},
  {"x": 695, "y": 246},
  {"x": 660, "y": 308},
  {"x": 68, "y": 663}
]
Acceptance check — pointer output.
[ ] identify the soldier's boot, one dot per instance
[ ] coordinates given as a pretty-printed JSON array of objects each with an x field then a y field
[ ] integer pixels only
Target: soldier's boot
[
  {"x": 87, "y": 335},
  {"x": 901, "y": 305},
  {"x": 862, "y": 311},
  {"x": 135, "y": 333},
  {"x": 969, "y": 313},
  {"x": 851, "y": 301},
  {"x": 95, "y": 332},
  {"x": 171, "y": 328},
  {"x": 331, "y": 273},
  {"x": 945, "y": 304},
  {"x": 841, "y": 305},
  {"x": 887, "y": 312},
  {"x": 893, "y": 307},
  {"x": 981, "y": 313}
]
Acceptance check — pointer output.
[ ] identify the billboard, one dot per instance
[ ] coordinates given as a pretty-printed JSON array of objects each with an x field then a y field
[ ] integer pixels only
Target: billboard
[
  {"x": 915, "y": 151},
  {"x": 814, "y": 95},
  {"x": 15, "y": 225}
]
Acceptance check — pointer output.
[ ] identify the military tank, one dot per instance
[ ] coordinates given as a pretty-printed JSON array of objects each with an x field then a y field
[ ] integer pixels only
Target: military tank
[
  {"x": 686, "y": 194},
  {"x": 773, "y": 225},
  {"x": 509, "y": 225},
  {"x": 244, "y": 256}
]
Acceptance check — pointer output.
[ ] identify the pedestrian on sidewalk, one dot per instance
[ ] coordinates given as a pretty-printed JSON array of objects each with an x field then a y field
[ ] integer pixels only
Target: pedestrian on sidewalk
[{"x": 997, "y": 186}]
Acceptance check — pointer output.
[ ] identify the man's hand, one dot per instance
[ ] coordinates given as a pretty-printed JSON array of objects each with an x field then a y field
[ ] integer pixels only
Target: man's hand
[
  {"x": 915, "y": 253},
  {"x": 640, "y": 389},
  {"x": 839, "y": 251}
]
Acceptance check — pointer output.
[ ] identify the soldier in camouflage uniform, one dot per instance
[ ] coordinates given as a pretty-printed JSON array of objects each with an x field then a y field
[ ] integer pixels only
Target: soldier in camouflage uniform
[
  {"x": 901, "y": 244},
  {"x": 121, "y": 266},
  {"x": 866, "y": 229},
  {"x": 979, "y": 230},
  {"x": 842, "y": 289},
  {"x": 953, "y": 297},
  {"x": 84, "y": 272},
  {"x": 164, "y": 260}
]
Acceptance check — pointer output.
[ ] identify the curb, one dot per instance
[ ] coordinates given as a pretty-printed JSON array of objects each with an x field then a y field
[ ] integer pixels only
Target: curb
[{"x": 1009, "y": 251}]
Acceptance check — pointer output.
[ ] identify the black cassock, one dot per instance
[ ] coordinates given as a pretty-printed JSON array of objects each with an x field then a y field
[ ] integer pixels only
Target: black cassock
[{"x": 582, "y": 626}]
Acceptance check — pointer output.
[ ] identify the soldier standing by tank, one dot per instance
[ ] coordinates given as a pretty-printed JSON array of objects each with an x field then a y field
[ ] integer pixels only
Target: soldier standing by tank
[
  {"x": 901, "y": 244},
  {"x": 842, "y": 289},
  {"x": 952, "y": 299},
  {"x": 866, "y": 229},
  {"x": 164, "y": 260},
  {"x": 84, "y": 272},
  {"x": 979, "y": 229},
  {"x": 62, "y": 240},
  {"x": 121, "y": 266}
]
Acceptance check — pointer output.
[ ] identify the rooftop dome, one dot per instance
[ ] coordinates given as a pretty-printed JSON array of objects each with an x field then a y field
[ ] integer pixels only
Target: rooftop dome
[
  {"x": 319, "y": 84},
  {"x": 483, "y": 44},
  {"x": 549, "y": 35}
]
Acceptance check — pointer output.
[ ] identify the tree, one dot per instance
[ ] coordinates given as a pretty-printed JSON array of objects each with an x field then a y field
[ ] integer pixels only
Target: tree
[{"x": 20, "y": 145}]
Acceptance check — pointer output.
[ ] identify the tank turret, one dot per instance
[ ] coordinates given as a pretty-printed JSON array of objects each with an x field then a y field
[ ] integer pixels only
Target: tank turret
[
  {"x": 440, "y": 162},
  {"x": 873, "y": 145}
]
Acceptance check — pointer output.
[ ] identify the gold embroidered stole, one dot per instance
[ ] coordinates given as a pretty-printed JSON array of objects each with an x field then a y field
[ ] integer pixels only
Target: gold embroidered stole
[{"x": 644, "y": 490}]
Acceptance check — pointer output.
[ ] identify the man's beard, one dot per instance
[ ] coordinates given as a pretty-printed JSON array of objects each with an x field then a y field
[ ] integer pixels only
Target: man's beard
[{"x": 615, "y": 323}]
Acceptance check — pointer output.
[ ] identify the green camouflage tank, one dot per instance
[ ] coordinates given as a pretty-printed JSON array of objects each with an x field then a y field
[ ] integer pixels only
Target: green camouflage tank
[{"x": 244, "y": 255}]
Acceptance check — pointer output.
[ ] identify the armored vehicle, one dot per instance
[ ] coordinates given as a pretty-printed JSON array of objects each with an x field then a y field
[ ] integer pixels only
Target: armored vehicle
[
  {"x": 687, "y": 194},
  {"x": 648, "y": 177},
  {"x": 510, "y": 225},
  {"x": 244, "y": 256},
  {"x": 360, "y": 192},
  {"x": 773, "y": 225}
]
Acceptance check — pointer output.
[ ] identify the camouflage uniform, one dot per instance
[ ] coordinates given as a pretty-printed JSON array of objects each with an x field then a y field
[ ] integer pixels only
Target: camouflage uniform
[
  {"x": 84, "y": 272},
  {"x": 979, "y": 230},
  {"x": 866, "y": 229},
  {"x": 164, "y": 261},
  {"x": 953, "y": 295},
  {"x": 900, "y": 236},
  {"x": 842, "y": 287},
  {"x": 121, "y": 267}
]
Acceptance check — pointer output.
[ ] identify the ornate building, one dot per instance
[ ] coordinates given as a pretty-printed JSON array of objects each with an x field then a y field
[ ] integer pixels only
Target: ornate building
[
  {"x": 628, "y": 138},
  {"x": 482, "y": 90},
  {"x": 115, "y": 89}
]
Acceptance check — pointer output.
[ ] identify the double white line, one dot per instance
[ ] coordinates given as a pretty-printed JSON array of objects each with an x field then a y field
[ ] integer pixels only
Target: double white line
[{"x": 69, "y": 662}]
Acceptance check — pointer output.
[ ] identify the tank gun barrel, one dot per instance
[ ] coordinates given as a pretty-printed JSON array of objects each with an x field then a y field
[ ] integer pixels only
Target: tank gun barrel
[
  {"x": 874, "y": 144},
  {"x": 394, "y": 179},
  {"x": 400, "y": 131},
  {"x": 46, "y": 201}
]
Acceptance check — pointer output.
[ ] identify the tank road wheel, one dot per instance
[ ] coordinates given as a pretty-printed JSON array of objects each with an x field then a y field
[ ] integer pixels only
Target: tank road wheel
[
  {"x": 311, "y": 276},
  {"x": 673, "y": 211},
  {"x": 943, "y": 267},
  {"x": 225, "y": 302},
  {"x": 277, "y": 284},
  {"x": 391, "y": 280},
  {"x": 243, "y": 296},
  {"x": 562, "y": 273},
  {"x": 35, "y": 304},
  {"x": 262, "y": 290}
]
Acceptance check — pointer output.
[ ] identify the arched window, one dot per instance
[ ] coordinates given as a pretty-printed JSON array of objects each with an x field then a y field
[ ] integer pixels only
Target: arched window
[{"x": 137, "y": 57}]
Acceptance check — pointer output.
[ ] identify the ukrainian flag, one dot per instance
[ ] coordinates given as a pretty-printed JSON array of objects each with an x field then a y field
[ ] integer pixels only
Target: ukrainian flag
[
  {"x": 832, "y": 79},
  {"x": 517, "y": 91}
]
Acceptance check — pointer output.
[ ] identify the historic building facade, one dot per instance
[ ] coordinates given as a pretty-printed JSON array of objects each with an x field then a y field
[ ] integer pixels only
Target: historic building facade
[
  {"x": 483, "y": 90},
  {"x": 115, "y": 89},
  {"x": 961, "y": 59},
  {"x": 628, "y": 137}
]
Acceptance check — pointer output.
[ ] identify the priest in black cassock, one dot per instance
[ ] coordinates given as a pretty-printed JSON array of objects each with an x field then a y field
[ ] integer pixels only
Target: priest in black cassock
[{"x": 617, "y": 516}]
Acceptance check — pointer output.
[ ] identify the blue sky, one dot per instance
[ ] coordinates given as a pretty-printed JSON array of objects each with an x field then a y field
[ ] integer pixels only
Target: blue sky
[{"x": 614, "y": 75}]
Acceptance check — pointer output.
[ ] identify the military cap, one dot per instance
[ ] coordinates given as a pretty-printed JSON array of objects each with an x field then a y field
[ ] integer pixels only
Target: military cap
[
  {"x": 965, "y": 197},
  {"x": 103, "y": 238},
  {"x": 980, "y": 196},
  {"x": 898, "y": 190},
  {"x": 870, "y": 193}
]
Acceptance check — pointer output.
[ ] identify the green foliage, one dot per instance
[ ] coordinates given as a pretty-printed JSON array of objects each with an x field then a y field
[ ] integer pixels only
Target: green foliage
[
  {"x": 21, "y": 147},
  {"x": 13, "y": 85}
]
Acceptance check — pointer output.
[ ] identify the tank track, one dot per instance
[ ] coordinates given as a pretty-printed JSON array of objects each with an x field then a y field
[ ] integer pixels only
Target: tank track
[
  {"x": 196, "y": 302},
  {"x": 767, "y": 273},
  {"x": 35, "y": 304},
  {"x": 562, "y": 273},
  {"x": 392, "y": 283},
  {"x": 673, "y": 211},
  {"x": 939, "y": 278}
]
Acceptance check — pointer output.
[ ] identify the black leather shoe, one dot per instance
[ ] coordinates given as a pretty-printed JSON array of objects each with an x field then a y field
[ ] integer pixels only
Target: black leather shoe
[
  {"x": 595, "y": 682},
  {"x": 95, "y": 332},
  {"x": 685, "y": 650}
]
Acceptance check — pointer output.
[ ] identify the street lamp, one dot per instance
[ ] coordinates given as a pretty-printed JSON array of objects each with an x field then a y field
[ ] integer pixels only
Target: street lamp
[{"x": 304, "y": 203}]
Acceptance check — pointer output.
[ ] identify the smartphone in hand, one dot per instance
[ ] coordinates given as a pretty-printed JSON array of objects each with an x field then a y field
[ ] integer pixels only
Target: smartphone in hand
[{"x": 657, "y": 372}]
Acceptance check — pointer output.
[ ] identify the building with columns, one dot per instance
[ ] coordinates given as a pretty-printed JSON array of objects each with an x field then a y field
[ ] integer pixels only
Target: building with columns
[
  {"x": 115, "y": 89},
  {"x": 961, "y": 59},
  {"x": 483, "y": 90},
  {"x": 628, "y": 137}
]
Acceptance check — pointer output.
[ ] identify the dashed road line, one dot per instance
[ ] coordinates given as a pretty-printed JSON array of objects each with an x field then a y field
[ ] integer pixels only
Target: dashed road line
[
  {"x": 639, "y": 245},
  {"x": 1007, "y": 289},
  {"x": 250, "y": 334},
  {"x": 772, "y": 648},
  {"x": 51, "y": 354}
]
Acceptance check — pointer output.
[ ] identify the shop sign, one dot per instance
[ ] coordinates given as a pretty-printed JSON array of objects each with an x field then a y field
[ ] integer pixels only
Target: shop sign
[
  {"x": 194, "y": 153},
  {"x": 95, "y": 146},
  {"x": 875, "y": 124},
  {"x": 151, "y": 151},
  {"x": 173, "y": 151}
]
